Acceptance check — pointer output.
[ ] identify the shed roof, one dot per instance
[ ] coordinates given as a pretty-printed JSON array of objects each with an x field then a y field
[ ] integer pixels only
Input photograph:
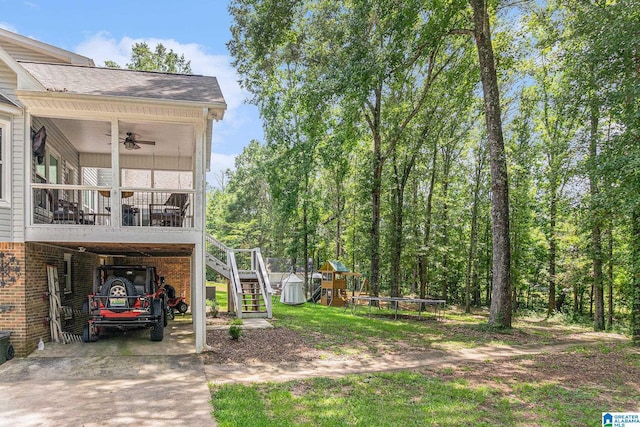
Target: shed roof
[
  {"x": 100, "y": 81},
  {"x": 291, "y": 279},
  {"x": 336, "y": 266}
]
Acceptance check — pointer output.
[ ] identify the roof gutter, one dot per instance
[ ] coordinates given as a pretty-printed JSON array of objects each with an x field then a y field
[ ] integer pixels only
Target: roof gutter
[{"x": 220, "y": 107}]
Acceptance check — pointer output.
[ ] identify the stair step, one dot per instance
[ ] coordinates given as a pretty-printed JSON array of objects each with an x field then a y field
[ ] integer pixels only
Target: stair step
[{"x": 254, "y": 315}]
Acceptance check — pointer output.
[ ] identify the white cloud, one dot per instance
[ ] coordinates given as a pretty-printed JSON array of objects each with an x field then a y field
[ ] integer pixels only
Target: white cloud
[
  {"x": 219, "y": 164},
  {"x": 102, "y": 46},
  {"x": 222, "y": 162},
  {"x": 8, "y": 27}
]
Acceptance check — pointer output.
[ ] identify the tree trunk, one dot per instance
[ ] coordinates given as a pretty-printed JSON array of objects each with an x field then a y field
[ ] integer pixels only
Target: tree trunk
[
  {"x": 610, "y": 276},
  {"x": 500, "y": 310},
  {"x": 424, "y": 258},
  {"x": 339, "y": 206},
  {"x": 375, "y": 196},
  {"x": 635, "y": 302},
  {"x": 444, "y": 286},
  {"x": 596, "y": 227},
  {"x": 396, "y": 234},
  {"x": 553, "y": 190},
  {"x": 473, "y": 239}
]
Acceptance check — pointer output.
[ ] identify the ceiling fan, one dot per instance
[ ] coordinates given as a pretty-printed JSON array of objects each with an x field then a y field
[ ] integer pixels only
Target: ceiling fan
[{"x": 131, "y": 141}]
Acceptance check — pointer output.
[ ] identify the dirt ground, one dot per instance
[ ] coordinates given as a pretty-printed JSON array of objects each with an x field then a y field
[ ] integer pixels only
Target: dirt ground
[{"x": 589, "y": 358}]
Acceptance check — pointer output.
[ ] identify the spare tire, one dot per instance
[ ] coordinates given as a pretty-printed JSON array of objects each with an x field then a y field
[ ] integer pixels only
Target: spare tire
[{"x": 118, "y": 281}]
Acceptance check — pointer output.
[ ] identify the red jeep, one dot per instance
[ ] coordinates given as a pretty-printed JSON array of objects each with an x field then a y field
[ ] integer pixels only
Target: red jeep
[{"x": 125, "y": 297}]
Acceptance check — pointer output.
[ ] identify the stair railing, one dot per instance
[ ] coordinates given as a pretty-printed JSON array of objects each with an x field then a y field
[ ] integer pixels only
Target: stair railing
[
  {"x": 263, "y": 280},
  {"x": 236, "y": 286},
  {"x": 216, "y": 248}
]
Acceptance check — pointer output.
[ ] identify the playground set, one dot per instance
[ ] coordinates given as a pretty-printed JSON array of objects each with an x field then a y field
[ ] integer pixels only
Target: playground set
[
  {"x": 333, "y": 285},
  {"x": 333, "y": 291}
]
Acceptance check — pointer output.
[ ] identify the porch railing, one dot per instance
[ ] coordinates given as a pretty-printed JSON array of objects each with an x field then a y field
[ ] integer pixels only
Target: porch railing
[{"x": 79, "y": 205}]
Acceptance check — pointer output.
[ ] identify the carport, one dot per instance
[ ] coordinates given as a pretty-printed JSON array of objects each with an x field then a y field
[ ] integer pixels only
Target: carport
[{"x": 175, "y": 262}]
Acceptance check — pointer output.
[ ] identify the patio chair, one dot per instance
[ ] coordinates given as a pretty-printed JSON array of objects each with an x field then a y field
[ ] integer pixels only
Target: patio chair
[
  {"x": 66, "y": 212},
  {"x": 170, "y": 213}
]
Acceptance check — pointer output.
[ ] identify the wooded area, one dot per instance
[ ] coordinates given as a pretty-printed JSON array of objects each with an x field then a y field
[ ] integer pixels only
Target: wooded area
[{"x": 377, "y": 152}]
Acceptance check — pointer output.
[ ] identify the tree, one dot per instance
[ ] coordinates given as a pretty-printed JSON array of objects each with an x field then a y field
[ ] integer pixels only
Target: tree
[
  {"x": 500, "y": 310},
  {"x": 144, "y": 59}
]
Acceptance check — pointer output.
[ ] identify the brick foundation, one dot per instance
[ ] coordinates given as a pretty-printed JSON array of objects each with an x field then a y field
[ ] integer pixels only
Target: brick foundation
[
  {"x": 13, "y": 309},
  {"x": 26, "y": 302}
]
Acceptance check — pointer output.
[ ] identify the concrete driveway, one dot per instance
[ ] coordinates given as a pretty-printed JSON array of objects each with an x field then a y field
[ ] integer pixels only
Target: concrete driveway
[{"x": 124, "y": 379}]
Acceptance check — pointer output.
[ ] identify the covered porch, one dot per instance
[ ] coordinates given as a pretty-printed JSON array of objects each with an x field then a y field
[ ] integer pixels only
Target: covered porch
[{"x": 91, "y": 173}]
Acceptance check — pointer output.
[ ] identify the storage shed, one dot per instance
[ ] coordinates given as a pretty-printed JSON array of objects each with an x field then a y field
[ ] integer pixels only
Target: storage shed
[{"x": 292, "y": 290}]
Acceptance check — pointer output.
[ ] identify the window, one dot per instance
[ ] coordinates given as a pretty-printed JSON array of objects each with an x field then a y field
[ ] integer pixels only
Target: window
[
  {"x": 49, "y": 170},
  {"x": 5, "y": 156},
  {"x": 67, "y": 273}
]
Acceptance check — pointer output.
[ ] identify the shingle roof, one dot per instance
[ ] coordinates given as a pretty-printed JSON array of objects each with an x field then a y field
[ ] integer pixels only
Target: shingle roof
[{"x": 118, "y": 82}]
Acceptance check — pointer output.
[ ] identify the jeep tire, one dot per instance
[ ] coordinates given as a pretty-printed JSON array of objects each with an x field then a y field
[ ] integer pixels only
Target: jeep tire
[
  {"x": 157, "y": 330},
  {"x": 118, "y": 281},
  {"x": 87, "y": 336}
]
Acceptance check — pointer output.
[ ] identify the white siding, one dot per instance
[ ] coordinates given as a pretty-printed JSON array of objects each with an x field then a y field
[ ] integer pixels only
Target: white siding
[
  {"x": 11, "y": 224},
  {"x": 21, "y": 53},
  {"x": 18, "y": 180},
  {"x": 5, "y": 221},
  {"x": 8, "y": 81}
]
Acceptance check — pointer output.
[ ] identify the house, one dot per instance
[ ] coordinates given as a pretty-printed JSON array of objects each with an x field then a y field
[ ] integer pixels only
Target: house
[{"x": 105, "y": 166}]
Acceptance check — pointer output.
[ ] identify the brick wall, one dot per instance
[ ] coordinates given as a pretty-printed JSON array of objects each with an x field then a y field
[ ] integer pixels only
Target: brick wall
[
  {"x": 176, "y": 271},
  {"x": 28, "y": 318},
  {"x": 38, "y": 257},
  {"x": 12, "y": 296}
]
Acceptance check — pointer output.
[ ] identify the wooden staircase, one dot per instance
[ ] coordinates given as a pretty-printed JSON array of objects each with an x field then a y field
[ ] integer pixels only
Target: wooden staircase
[{"x": 249, "y": 288}]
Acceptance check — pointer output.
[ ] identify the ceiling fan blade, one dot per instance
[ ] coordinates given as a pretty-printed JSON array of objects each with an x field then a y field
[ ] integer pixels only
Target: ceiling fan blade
[{"x": 142, "y": 141}]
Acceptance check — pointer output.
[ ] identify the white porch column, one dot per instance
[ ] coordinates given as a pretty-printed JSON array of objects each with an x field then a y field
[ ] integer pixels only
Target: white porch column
[
  {"x": 198, "y": 283},
  {"x": 116, "y": 202},
  {"x": 198, "y": 274}
]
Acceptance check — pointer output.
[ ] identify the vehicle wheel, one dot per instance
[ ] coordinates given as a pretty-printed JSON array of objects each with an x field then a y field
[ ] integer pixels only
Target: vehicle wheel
[
  {"x": 182, "y": 307},
  {"x": 10, "y": 352},
  {"x": 166, "y": 316},
  {"x": 87, "y": 336},
  {"x": 157, "y": 330},
  {"x": 172, "y": 314}
]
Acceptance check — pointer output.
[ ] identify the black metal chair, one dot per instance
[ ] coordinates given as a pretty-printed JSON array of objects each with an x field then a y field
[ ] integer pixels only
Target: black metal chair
[{"x": 170, "y": 213}]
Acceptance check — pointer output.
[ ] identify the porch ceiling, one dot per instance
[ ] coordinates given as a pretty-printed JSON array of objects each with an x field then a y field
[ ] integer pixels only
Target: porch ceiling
[
  {"x": 89, "y": 136},
  {"x": 131, "y": 249}
]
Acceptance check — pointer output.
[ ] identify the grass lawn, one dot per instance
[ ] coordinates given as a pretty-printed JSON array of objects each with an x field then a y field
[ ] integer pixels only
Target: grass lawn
[
  {"x": 339, "y": 331},
  {"x": 221, "y": 294},
  {"x": 567, "y": 389}
]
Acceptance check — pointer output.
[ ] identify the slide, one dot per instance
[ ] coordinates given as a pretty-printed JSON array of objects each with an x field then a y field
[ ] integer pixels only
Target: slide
[{"x": 315, "y": 297}]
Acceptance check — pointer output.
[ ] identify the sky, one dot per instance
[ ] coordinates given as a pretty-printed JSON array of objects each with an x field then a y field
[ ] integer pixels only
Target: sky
[{"x": 106, "y": 31}]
